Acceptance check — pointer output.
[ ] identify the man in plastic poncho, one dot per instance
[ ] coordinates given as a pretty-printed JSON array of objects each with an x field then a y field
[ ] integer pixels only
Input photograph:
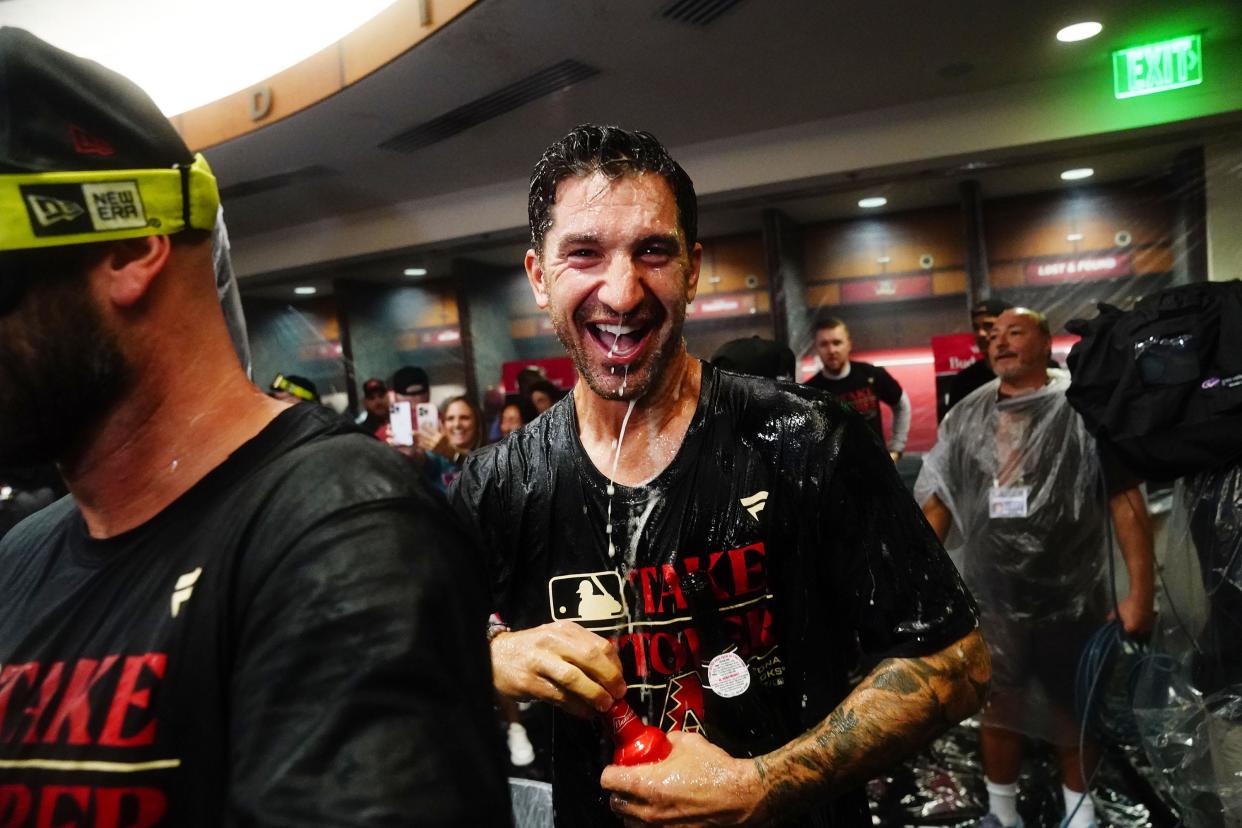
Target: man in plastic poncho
[{"x": 1018, "y": 477}]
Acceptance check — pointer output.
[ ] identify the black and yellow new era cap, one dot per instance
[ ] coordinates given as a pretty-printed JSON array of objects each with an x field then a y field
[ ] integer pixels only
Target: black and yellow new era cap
[{"x": 86, "y": 156}]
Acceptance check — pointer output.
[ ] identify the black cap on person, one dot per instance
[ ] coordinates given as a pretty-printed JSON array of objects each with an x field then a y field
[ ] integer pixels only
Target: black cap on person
[
  {"x": 990, "y": 307},
  {"x": 59, "y": 112},
  {"x": 756, "y": 356},
  {"x": 410, "y": 381}
]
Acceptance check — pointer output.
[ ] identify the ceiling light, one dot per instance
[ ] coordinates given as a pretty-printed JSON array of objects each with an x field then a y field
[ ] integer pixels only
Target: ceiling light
[
  {"x": 1077, "y": 174},
  {"x": 305, "y": 291},
  {"x": 1079, "y": 31},
  {"x": 872, "y": 202},
  {"x": 416, "y": 271},
  {"x": 1073, "y": 237}
]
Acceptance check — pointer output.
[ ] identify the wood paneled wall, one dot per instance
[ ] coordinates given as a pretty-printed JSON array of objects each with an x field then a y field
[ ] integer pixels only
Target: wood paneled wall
[{"x": 396, "y": 30}]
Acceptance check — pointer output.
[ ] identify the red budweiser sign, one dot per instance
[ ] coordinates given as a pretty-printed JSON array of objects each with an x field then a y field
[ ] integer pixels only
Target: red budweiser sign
[{"x": 954, "y": 352}]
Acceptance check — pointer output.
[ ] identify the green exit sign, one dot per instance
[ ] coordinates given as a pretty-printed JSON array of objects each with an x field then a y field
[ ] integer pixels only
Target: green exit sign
[{"x": 1158, "y": 67}]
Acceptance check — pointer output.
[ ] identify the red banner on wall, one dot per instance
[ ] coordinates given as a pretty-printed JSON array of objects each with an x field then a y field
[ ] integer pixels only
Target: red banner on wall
[
  {"x": 1083, "y": 268},
  {"x": 559, "y": 371},
  {"x": 954, "y": 352},
  {"x": 718, "y": 305},
  {"x": 885, "y": 290}
]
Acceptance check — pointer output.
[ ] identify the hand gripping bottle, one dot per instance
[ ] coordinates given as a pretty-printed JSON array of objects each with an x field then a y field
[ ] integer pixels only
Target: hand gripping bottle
[{"x": 636, "y": 743}]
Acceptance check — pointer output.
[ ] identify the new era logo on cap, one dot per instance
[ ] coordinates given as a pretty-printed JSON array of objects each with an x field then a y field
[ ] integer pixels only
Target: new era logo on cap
[
  {"x": 69, "y": 209},
  {"x": 46, "y": 210},
  {"x": 115, "y": 205},
  {"x": 84, "y": 143}
]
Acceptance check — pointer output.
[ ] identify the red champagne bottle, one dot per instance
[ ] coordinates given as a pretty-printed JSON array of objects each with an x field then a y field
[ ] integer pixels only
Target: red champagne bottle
[{"x": 636, "y": 743}]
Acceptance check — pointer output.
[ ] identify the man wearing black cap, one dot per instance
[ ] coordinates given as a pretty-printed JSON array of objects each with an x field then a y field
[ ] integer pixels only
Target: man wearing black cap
[
  {"x": 982, "y": 318},
  {"x": 410, "y": 383},
  {"x": 243, "y": 615},
  {"x": 757, "y": 356},
  {"x": 374, "y": 414}
]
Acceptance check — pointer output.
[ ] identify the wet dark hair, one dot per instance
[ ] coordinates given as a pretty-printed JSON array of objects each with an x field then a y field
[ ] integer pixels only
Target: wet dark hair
[{"x": 613, "y": 152}]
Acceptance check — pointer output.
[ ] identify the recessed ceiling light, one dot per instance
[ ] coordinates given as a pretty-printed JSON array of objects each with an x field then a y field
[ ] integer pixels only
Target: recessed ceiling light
[
  {"x": 1077, "y": 174},
  {"x": 1073, "y": 237},
  {"x": 1079, "y": 31},
  {"x": 305, "y": 291},
  {"x": 416, "y": 271},
  {"x": 872, "y": 202}
]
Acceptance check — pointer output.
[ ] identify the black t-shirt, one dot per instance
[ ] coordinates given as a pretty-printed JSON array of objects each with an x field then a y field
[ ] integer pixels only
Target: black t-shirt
[
  {"x": 294, "y": 641},
  {"x": 815, "y": 550},
  {"x": 974, "y": 375},
  {"x": 863, "y": 390}
]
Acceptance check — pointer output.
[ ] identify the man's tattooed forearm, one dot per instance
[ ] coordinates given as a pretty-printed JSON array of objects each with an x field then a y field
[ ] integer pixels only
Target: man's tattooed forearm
[{"x": 901, "y": 705}]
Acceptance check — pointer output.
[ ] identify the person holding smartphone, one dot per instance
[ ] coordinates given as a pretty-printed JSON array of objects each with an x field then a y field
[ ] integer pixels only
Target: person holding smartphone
[
  {"x": 449, "y": 439},
  {"x": 437, "y": 442}
]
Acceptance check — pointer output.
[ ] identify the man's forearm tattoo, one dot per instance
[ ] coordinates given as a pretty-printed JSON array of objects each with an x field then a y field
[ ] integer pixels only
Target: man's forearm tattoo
[{"x": 902, "y": 705}]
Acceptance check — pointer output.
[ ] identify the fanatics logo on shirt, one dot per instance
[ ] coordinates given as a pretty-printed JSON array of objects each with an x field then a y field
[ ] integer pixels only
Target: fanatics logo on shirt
[
  {"x": 183, "y": 589},
  {"x": 755, "y": 503}
]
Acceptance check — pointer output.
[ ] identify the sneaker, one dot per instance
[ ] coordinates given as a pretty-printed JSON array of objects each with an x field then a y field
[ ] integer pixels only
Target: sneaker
[
  {"x": 521, "y": 751},
  {"x": 993, "y": 821}
]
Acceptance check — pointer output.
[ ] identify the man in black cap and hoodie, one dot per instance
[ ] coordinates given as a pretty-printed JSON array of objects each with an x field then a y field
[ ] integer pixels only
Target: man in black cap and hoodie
[
  {"x": 982, "y": 318},
  {"x": 243, "y": 615}
]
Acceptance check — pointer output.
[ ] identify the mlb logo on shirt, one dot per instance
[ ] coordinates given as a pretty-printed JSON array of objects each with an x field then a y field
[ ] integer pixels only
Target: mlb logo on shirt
[{"x": 587, "y": 597}]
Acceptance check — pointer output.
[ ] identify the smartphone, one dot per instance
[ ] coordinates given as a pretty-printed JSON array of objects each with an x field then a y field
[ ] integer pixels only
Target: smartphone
[
  {"x": 400, "y": 425},
  {"x": 427, "y": 417}
]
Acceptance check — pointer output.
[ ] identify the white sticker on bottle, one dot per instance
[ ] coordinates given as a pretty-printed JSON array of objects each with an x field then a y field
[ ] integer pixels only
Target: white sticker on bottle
[
  {"x": 728, "y": 675},
  {"x": 1008, "y": 501}
]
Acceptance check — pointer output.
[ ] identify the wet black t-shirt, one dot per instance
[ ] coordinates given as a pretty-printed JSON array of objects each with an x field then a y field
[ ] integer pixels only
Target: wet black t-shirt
[
  {"x": 863, "y": 390},
  {"x": 294, "y": 641},
  {"x": 814, "y": 549}
]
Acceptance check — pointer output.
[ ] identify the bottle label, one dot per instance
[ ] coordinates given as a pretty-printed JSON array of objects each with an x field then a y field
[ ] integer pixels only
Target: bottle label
[
  {"x": 620, "y": 722},
  {"x": 728, "y": 675}
]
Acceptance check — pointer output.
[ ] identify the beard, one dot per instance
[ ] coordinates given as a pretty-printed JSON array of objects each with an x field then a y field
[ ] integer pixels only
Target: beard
[
  {"x": 636, "y": 379},
  {"x": 61, "y": 371}
]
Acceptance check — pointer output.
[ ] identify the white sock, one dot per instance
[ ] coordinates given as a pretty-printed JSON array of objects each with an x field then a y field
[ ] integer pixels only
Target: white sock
[
  {"x": 1003, "y": 801},
  {"x": 1085, "y": 815}
]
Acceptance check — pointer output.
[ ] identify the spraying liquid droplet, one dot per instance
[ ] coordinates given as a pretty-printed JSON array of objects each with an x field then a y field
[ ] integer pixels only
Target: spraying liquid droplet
[
  {"x": 616, "y": 336},
  {"x": 616, "y": 458}
]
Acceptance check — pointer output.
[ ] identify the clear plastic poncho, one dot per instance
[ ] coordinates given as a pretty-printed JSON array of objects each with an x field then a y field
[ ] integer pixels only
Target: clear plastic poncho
[
  {"x": 227, "y": 291},
  {"x": 1050, "y": 564},
  {"x": 1188, "y": 691},
  {"x": 1022, "y": 479}
]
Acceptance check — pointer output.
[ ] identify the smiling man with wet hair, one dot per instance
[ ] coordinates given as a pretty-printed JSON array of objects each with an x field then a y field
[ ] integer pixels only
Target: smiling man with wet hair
[{"x": 659, "y": 465}]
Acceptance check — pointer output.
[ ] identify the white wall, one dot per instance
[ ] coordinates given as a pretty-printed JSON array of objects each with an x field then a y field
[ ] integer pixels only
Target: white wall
[{"x": 1223, "y": 171}]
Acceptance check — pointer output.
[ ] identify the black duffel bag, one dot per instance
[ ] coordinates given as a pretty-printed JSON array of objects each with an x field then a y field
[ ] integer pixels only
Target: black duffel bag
[{"x": 1161, "y": 385}]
